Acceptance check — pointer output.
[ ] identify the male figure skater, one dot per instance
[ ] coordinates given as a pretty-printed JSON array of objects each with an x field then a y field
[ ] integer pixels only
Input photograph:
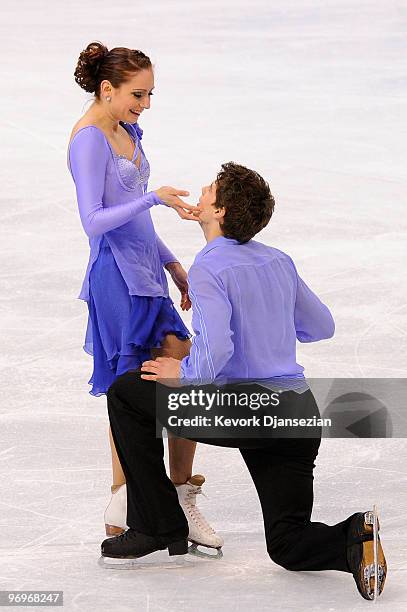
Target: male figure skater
[{"x": 249, "y": 307}]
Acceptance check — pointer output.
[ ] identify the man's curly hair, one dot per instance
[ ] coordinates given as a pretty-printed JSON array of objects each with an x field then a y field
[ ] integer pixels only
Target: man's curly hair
[{"x": 247, "y": 201}]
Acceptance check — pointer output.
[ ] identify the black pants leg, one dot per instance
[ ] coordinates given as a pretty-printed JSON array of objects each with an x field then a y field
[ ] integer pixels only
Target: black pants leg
[
  {"x": 283, "y": 477},
  {"x": 152, "y": 500},
  {"x": 282, "y": 472}
]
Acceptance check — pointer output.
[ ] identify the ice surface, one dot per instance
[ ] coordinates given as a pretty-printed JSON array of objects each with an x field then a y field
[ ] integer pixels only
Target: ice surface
[{"x": 312, "y": 95}]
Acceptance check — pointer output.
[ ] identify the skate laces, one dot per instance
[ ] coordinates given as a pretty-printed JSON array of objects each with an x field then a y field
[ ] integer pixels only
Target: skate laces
[
  {"x": 197, "y": 491},
  {"x": 194, "y": 511},
  {"x": 126, "y": 535}
]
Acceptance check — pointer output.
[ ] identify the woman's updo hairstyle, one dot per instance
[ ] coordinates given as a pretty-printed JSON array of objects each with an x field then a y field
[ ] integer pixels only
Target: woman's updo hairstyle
[{"x": 96, "y": 64}]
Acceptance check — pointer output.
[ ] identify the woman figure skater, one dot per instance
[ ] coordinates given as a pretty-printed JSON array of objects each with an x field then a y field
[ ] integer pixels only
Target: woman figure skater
[{"x": 131, "y": 317}]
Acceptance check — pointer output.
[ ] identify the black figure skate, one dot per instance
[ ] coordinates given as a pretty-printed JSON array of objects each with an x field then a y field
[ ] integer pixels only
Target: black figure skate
[
  {"x": 132, "y": 545},
  {"x": 365, "y": 554}
]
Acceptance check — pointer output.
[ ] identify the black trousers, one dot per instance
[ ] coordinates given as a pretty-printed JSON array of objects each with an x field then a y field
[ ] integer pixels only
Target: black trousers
[{"x": 281, "y": 470}]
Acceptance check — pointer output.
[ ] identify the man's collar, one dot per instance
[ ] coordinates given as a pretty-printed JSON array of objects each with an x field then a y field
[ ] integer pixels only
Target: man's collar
[{"x": 216, "y": 242}]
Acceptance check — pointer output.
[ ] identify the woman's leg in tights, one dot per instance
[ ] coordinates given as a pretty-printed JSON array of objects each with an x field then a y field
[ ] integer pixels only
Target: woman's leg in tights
[{"x": 118, "y": 476}]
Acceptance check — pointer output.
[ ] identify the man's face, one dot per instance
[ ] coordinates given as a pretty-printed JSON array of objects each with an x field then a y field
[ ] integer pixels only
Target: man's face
[{"x": 206, "y": 203}]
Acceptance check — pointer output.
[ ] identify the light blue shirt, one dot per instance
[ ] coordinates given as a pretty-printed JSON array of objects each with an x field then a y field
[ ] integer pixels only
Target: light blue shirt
[{"x": 249, "y": 307}]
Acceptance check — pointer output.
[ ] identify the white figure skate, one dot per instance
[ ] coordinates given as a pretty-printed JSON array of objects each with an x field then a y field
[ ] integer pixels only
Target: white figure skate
[
  {"x": 200, "y": 532},
  {"x": 116, "y": 512}
]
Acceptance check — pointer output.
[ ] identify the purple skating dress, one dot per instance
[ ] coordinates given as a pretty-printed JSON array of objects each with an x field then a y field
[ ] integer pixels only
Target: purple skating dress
[{"x": 125, "y": 286}]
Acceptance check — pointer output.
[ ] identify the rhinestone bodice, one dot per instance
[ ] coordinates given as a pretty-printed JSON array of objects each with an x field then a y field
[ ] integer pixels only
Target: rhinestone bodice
[{"x": 130, "y": 174}]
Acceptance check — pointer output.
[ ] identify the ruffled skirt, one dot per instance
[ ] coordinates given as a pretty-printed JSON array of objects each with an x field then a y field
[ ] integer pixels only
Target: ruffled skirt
[{"x": 122, "y": 328}]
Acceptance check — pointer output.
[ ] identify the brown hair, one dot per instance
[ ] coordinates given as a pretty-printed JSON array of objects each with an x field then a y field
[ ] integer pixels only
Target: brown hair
[
  {"x": 96, "y": 63},
  {"x": 247, "y": 201}
]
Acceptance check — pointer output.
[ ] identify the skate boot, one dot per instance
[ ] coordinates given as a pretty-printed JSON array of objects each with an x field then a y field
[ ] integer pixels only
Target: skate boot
[
  {"x": 116, "y": 512},
  {"x": 200, "y": 532},
  {"x": 132, "y": 545},
  {"x": 365, "y": 554}
]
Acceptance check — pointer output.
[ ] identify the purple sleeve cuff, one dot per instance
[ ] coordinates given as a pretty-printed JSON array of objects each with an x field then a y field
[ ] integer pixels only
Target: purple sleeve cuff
[
  {"x": 155, "y": 199},
  {"x": 184, "y": 381}
]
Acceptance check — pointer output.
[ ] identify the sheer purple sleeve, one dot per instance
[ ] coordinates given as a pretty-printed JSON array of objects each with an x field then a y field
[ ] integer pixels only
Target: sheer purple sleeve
[
  {"x": 212, "y": 346},
  {"x": 88, "y": 156},
  {"x": 313, "y": 320},
  {"x": 166, "y": 256}
]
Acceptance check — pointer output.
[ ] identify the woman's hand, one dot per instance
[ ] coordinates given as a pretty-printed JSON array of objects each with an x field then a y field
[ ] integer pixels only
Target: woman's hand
[
  {"x": 170, "y": 196},
  {"x": 179, "y": 276}
]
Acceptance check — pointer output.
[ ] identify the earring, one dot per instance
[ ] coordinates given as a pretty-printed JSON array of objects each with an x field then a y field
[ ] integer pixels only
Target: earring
[{"x": 108, "y": 98}]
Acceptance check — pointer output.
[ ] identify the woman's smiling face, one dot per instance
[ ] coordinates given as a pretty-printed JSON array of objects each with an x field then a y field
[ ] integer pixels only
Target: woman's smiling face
[{"x": 130, "y": 99}]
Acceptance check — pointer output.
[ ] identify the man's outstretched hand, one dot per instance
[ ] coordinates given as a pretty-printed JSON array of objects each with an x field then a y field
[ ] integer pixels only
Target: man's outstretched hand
[{"x": 165, "y": 370}]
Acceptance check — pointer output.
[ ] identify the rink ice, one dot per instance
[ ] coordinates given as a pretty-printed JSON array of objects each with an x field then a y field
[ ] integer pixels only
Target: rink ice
[{"x": 311, "y": 95}]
